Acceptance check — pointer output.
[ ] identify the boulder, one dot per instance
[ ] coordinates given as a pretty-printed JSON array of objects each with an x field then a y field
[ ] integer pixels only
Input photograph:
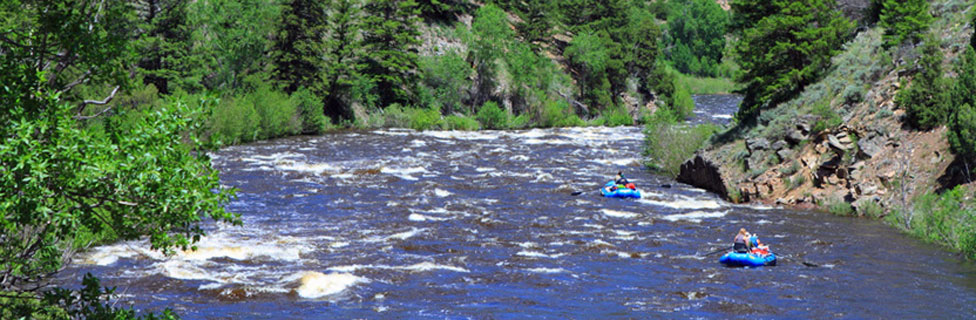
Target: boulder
[
  {"x": 757, "y": 144},
  {"x": 779, "y": 145},
  {"x": 702, "y": 172},
  {"x": 795, "y": 136},
  {"x": 838, "y": 144},
  {"x": 870, "y": 148},
  {"x": 785, "y": 154}
]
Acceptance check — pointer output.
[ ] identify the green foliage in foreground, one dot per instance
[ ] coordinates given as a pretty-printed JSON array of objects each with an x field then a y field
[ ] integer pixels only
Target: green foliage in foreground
[
  {"x": 948, "y": 218},
  {"x": 668, "y": 143},
  {"x": 492, "y": 116}
]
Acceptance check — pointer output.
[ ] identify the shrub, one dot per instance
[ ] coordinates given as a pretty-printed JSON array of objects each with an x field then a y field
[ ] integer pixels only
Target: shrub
[
  {"x": 558, "y": 113},
  {"x": 310, "y": 108},
  {"x": 425, "y": 118},
  {"x": 278, "y": 115},
  {"x": 453, "y": 122},
  {"x": 945, "y": 218},
  {"x": 668, "y": 144},
  {"x": 840, "y": 207},
  {"x": 616, "y": 116},
  {"x": 904, "y": 20},
  {"x": 871, "y": 209},
  {"x": 828, "y": 118},
  {"x": 492, "y": 116},
  {"x": 234, "y": 121}
]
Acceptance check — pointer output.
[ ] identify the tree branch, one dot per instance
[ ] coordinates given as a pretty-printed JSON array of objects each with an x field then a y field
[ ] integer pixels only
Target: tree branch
[{"x": 96, "y": 102}]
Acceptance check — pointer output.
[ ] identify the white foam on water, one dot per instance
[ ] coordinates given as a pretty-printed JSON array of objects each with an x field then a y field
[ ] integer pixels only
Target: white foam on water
[
  {"x": 418, "y": 143},
  {"x": 416, "y": 217},
  {"x": 441, "y": 193},
  {"x": 620, "y": 214},
  {"x": 533, "y": 254},
  {"x": 418, "y": 267},
  {"x": 314, "y": 285},
  {"x": 484, "y": 169},
  {"x": 528, "y": 244},
  {"x": 722, "y": 116},
  {"x": 317, "y": 168},
  {"x": 763, "y": 221},
  {"x": 693, "y": 257},
  {"x": 547, "y": 270},
  {"x": 684, "y": 203},
  {"x": 617, "y": 161},
  {"x": 397, "y": 236},
  {"x": 404, "y": 173},
  {"x": 108, "y": 255},
  {"x": 520, "y": 157},
  {"x": 695, "y": 216}
]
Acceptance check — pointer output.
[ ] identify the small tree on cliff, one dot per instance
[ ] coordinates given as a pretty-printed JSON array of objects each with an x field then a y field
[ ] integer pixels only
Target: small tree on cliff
[
  {"x": 904, "y": 20},
  {"x": 784, "y": 46}
]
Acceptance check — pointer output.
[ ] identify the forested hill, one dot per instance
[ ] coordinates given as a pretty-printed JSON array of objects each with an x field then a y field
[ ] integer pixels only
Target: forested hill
[{"x": 282, "y": 67}]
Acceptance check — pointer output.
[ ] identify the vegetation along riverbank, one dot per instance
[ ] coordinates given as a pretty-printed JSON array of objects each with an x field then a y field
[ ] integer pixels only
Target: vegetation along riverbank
[{"x": 107, "y": 108}]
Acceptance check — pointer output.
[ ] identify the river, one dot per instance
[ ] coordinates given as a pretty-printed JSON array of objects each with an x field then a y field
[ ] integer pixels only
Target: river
[{"x": 482, "y": 225}]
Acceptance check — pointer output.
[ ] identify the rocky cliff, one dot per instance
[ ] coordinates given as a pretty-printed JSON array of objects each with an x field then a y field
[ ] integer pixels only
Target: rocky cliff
[{"x": 861, "y": 155}]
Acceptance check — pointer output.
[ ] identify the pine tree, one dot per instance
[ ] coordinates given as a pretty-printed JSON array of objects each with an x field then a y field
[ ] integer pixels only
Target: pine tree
[
  {"x": 537, "y": 20},
  {"x": 962, "y": 125},
  {"x": 390, "y": 41},
  {"x": 342, "y": 55},
  {"x": 904, "y": 20},
  {"x": 298, "y": 46},
  {"x": 925, "y": 101},
  {"x": 164, "y": 47},
  {"x": 782, "y": 53}
]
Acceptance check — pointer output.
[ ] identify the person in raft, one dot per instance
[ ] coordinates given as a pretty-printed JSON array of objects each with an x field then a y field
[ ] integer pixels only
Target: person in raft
[
  {"x": 748, "y": 243},
  {"x": 741, "y": 242},
  {"x": 621, "y": 182}
]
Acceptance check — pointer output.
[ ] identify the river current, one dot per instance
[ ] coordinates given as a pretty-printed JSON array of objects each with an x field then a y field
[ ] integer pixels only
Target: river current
[{"x": 394, "y": 224}]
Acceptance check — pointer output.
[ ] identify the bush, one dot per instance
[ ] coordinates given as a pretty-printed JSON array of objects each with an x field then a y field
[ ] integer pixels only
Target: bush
[
  {"x": 684, "y": 105},
  {"x": 828, "y": 118},
  {"x": 616, "y": 116},
  {"x": 840, "y": 207},
  {"x": 453, "y": 122},
  {"x": 947, "y": 219},
  {"x": 871, "y": 209},
  {"x": 278, "y": 114},
  {"x": 558, "y": 113},
  {"x": 234, "y": 121},
  {"x": 668, "y": 144},
  {"x": 310, "y": 107},
  {"x": 425, "y": 118},
  {"x": 696, "y": 32},
  {"x": 492, "y": 116}
]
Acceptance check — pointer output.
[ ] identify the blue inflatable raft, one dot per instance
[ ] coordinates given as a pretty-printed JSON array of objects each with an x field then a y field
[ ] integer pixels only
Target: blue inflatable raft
[
  {"x": 736, "y": 259},
  {"x": 619, "y": 192}
]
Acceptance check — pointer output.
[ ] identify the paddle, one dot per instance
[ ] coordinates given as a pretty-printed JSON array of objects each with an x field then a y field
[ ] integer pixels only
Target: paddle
[
  {"x": 717, "y": 251},
  {"x": 576, "y": 193}
]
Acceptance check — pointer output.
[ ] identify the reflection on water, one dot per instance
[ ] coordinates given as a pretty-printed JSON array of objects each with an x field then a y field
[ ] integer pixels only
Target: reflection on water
[{"x": 403, "y": 224}]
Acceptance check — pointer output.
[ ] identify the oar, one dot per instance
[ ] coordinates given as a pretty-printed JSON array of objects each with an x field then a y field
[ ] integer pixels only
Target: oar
[
  {"x": 576, "y": 193},
  {"x": 716, "y": 251}
]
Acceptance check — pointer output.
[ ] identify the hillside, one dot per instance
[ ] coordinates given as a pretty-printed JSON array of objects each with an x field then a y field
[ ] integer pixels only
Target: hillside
[{"x": 844, "y": 145}]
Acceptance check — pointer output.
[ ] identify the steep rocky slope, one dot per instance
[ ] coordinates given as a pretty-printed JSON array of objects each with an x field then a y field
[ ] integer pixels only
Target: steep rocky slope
[{"x": 866, "y": 156}]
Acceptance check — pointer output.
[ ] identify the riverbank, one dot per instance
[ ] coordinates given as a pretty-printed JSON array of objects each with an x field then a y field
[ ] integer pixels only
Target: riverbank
[{"x": 843, "y": 146}]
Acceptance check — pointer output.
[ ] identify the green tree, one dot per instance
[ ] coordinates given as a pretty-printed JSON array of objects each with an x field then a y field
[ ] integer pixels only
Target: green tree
[
  {"x": 904, "y": 20},
  {"x": 783, "y": 52},
  {"x": 590, "y": 54},
  {"x": 446, "y": 77},
  {"x": 166, "y": 60},
  {"x": 925, "y": 101},
  {"x": 643, "y": 35},
  {"x": 61, "y": 179},
  {"x": 390, "y": 41},
  {"x": 298, "y": 45},
  {"x": 234, "y": 37},
  {"x": 490, "y": 38},
  {"x": 696, "y": 34},
  {"x": 441, "y": 10},
  {"x": 962, "y": 124},
  {"x": 537, "y": 19},
  {"x": 343, "y": 63}
]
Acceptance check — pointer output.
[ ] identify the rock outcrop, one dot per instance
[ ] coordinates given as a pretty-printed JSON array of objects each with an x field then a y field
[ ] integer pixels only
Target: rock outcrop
[{"x": 702, "y": 172}]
